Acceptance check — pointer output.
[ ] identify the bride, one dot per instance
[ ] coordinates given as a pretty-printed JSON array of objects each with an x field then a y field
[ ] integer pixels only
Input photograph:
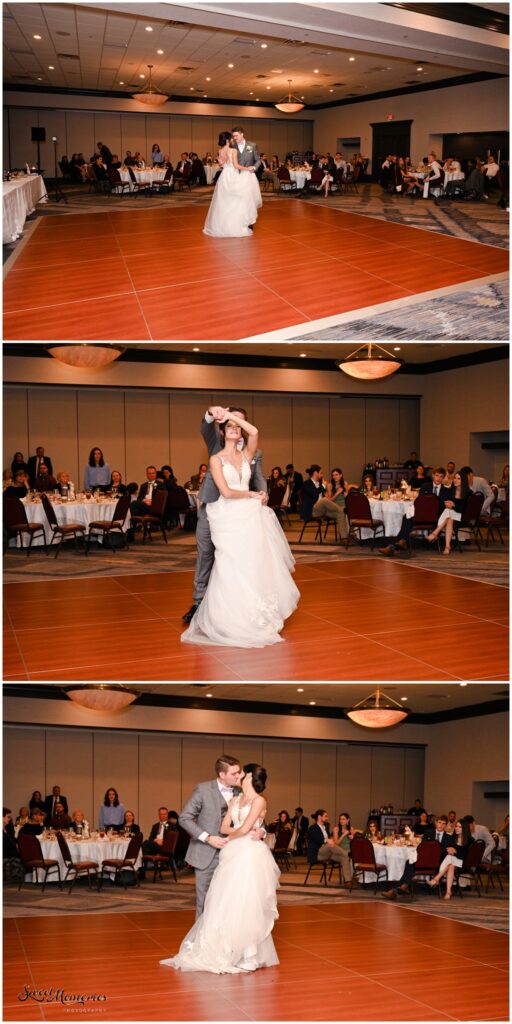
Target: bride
[
  {"x": 250, "y": 592},
  {"x": 236, "y": 198},
  {"x": 233, "y": 934}
]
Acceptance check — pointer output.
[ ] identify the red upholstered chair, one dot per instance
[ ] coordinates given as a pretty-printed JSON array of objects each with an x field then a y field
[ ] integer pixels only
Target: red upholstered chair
[
  {"x": 164, "y": 859},
  {"x": 126, "y": 863},
  {"x": 429, "y": 857},
  {"x": 285, "y": 182},
  {"x": 470, "y": 517},
  {"x": 360, "y": 517},
  {"x": 80, "y": 867},
  {"x": 118, "y": 186},
  {"x": 471, "y": 866},
  {"x": 426, "y": 515},
  {"x": 497, "y": 868},
  {"x": 498, "y": 523},
  {"x": 280, "y": 850},
  {"x": 32, "y": 859},
  {"x": 68, "y": 530},
  {"x": 17, "y": 524},
  {"x": 155, "y": 519},
  {"x": 108, "y": 526},
  {"x": 363, "y": 859}
]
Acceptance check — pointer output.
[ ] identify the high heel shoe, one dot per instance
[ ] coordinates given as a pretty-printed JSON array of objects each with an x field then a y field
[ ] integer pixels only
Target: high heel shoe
[
  {"x": 431, "y": 537},
  {"x": 433, "y": 882},
  {"x": 447, "y": 551},
  {"x": 448, "y": 896}
]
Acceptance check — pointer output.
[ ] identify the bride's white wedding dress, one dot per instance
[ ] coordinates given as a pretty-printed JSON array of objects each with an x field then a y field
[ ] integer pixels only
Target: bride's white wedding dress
[
  {"x": 235, "y": 203},
  {"x": 233, "y": 933},
  {"x": 250, "y": 591}
]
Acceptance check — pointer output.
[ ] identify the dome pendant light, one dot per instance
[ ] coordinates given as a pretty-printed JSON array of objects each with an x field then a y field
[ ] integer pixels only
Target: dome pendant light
[
  {"x": 290, "y": 105},
  {"x": 378, "y": 711},
  {"x": 370, "y": 362},
  {"x": 149, "y": 95}
]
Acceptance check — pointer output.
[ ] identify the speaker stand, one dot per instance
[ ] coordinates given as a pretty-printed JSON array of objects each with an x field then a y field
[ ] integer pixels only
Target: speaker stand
[{"x": 59, "y": 194}]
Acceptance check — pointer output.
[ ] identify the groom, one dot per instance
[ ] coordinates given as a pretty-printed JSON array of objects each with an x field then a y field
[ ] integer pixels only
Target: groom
[
  {"x": 248, "y": 155},
  {"x": 202, "y": 817},
  {"x": 210, "y": 492}
]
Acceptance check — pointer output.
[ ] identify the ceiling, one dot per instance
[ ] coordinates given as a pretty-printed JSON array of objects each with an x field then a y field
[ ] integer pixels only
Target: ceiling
[
  {"x": 422, "y": 698},
  {"x": 411, "y": 352},
  {"x": 330, "y": 51}
]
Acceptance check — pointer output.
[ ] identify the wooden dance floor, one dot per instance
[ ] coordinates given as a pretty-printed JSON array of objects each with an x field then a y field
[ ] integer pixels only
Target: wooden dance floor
[
  {"x": 349, "y": 961},
  {"x": 138, "y": 274},
  {"x": 363, "y": 618}
]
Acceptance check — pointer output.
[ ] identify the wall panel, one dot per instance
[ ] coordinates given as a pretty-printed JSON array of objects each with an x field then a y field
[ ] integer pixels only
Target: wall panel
[
  {"x": 15, "y": 425},
  {"x": 107, "y": 129},
  {"x": 187, "y": 448},
  {"x": 414, "y": 779},
  {"x": 346, "y": 436},
  {"x": 282, "y": 760},
  {"x": 387, "y": 776},
  {"x": 147, "y": 433},
  {"x": 133, "y": 133},
  {"x": 101, "y": 423},
  {"x": 116, "y": 763},
  {"x": 409, "y": 428},
  {"x": 199, "y": 756},
  {"x": 318, "y": 777},
  {"x": 273, "y": 417},
  {"x": 69, "y": 765},
  {"x": 353, "y": 782},
  {"x": 52, "y": 420},
  {"x": 181, "y": 134},
  {"x": 310, "y": 432},
  {"x": 80, "y": 135},
  {"x": 382, "y": 432},
  {"x": 24, "y": 758},
  {"x": 159, "y": 777}
]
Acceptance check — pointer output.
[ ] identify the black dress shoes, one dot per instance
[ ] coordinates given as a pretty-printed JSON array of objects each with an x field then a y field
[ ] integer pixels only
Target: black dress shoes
[
  {"x": 388, "y": 552},
  {"x": 188, "y": 616}
]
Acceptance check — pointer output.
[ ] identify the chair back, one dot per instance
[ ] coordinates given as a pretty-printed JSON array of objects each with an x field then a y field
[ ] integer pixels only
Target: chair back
[
  {"x": 158, "y": 503},
  {"x": 357, "y": 172},
  {"x": 283, "y": 839},
  {"x": 64, "y": 849},
  {"x": 317, "y": 175},
  {"x": 49, "y": 510},
  {"x": 14, "y": 512},
  {"x": 178, "y": 500},
  {"x": 133, "y": 848},
  {"x": 114, "y": 177},
  {"x": 426, "y": 510},
  {"x": 429, "y": 853},
  {"x": 131, "y": 172},
  {"x": 283, "y": 173},
  {"x": 30, "y": 848},
  {"x": 167, "y": 176},
  {"x": 357, "y": 506},
  {"x": 471, "y": 513},
  {"x": 121, "y": 509},
  {"x": 171, "y": 836},
  {"x": 361, "y": 850},
  {"x": 473, "y": 857}
]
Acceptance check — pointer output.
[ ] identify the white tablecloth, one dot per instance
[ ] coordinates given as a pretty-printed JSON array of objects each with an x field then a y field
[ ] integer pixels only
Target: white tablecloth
[
  {"x": 453, "y": 176},
  {"x": 391, "y": 513},
  {"x": 211, "y": 170},
  {"x": 145, "y": 177},
  {"x": 395, "y": 858},
  {"x": 20, "y": 198},
  {"x": 80, "y": 850},
  {"x": 84, "y": 512},
  {"x": 300, "y": 177}
]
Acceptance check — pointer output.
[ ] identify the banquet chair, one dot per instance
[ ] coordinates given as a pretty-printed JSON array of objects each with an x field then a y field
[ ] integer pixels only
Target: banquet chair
[
  {"x": 115, "y": 525},
  {"x": 352, "y": 179},
  {"x": 164, "y": 859},
  {"x": 80, "y": 867},
  {"x": 426, "y": 515},
  {"x": 280, "y": 849},
  {"x": 312, "y": 522},
  {"x": 492, "y": 523},
  {"x": 471, "y": 866},
  {"x": 429, "y": 857},
  {"x": 498, "y": 867},
  {"x": 470, "y": 517},
  {"x": 317, "y": 176},
  {"x": 32, "y": 860},
  {"x": 163, "y": 188},
  {"x": 136, "y": 187},
  {"x": 94, "y": 185},
  {"x": 178, "y": 502},
  {"x": 180, "y": 180},
  {"x": 66, "y": 530},
  {"x": 285, "y": 182},
  {"x": 360, "y": 516},
  {"x": 323, "y": 873},
  {"x": 126, "y": 863},
  {"x": 154, "y": 519},
  {"x": 363, "y": 860},
  {"x": 16, "y": 523},
  {"x": 118, "y": 186}
]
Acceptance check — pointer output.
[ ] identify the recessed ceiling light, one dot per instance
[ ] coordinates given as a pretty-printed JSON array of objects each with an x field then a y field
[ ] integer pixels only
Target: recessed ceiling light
[
  {"x": 231, "y": 65},
  {"x": 316, "y": 71},
  {"x": 51, "y": 67},
  {"x": 208, "y": 79},
  {"x": 39, "y": 79},
  {"x": 257, "y": 99},
  {"x": 403, "y": 698},
  {"x": 148, "y": 28},
  {"x": 331, "y": 90},
  {"x": 160, "y": 52},
  {"x": 36, "y": 37},
  {"x": 303, "y": 355},
  {"x": 191, "y": 88},
  {"x": 251, "y": 94},
  {"x": 312, "y": 702},
  {"x": 209, "y": 695},
  {"x": 268, "y": 87},
  {"x": 300, "y": 689},
  {"x": 396, "y": 348},
  {"x": 196, "y": 350},
  {"x": 264, "y": 46},
  {"x": 351, "y": 58},
  {"x": 463, "y": 684},
  {"x": 303, "y": 97},
  {"x": 142, "y": 76},
  {"x": 419, "y": 69},
  {"x": 121, "y": 83},
  {"x": 205, "y": 95}
]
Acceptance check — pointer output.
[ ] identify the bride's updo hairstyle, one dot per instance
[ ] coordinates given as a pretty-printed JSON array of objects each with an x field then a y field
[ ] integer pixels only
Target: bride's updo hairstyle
[
  {"x": 222, "y": 426},
  {"x": 224, "y": 137},
  {"x": 259, "y": 776}
]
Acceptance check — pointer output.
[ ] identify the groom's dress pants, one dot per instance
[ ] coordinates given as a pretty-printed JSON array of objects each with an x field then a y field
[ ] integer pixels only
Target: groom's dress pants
[
  {"x": 205, "y": 554},
  {"x": 203, "y": 879}
]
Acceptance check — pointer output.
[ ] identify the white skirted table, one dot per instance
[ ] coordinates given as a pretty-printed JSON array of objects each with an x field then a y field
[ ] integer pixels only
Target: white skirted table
[
  {"x": 211, "y": 170},
  {"x": 391, "y": 512},
  {"x": 85, "y": 849},
  {"x": 395, "y": 858},
  {"x": 143, "y": 177},
  {"x": 300, "y": 177},
  {"x": 84, "y": 512},
  {"x": 20, "y": 197}
]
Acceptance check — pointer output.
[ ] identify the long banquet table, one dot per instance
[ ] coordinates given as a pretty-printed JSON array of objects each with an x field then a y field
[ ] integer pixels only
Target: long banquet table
[
  {"x": 20, "y": 197},
  {"x": 85, "y": 849},
  {"x": 84, "y": 512}
]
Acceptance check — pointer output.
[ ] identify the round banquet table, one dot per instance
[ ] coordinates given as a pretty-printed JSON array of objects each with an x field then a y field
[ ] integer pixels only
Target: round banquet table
[
  {"x": 391, "y": 512},
  {"x": 85, "y": 849},
  {"x": 300, "y": 177},
  {"x": 395, "y": 858},
  {"x": 211, "y": 170},
  {"x": 84, "y": 512},
  {"x": 143, "y": 177},
  {"x": 20, "y": 196}
]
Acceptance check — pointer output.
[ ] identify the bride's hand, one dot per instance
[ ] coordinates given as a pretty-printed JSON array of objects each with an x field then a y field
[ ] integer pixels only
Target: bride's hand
[{"x": 257, "y": 833}]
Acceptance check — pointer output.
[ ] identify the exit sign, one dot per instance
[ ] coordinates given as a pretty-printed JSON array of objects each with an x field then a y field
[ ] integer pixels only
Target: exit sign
[{"x": 389, "y": 117}]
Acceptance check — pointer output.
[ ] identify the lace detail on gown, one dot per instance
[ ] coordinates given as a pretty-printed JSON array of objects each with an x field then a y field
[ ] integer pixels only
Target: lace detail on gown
[
  {"x": 253, "y": 563},
  {"x": 234, "y": 932}
]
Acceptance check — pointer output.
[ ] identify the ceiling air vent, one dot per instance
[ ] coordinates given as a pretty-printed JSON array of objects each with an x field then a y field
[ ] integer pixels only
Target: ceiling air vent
[
  {"x": 245, "y": 42},
  {"x": 23, "y": 78},
  {"x": 21, "y": 53},
  {"x": 179, "y": 24},
  {"x": 68, "y": 56},
  {"x": 293, "y": 42},
  {"x": 184, "y": 68},
  {"x": 339, "y": 84}
]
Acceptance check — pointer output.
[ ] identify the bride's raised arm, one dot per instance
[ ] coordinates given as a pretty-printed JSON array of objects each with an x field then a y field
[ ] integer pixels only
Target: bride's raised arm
[
  {"x": 250, "y": 430},
  {"x": 257, "y": 810}
]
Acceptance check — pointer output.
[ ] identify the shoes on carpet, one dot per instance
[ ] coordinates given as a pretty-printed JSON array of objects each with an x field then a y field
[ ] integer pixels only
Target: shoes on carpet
[
  {"x": 388, "y": 551},
  {"x": 402, "y": 545},
  {"x": 188, "y": 616},
  {"x": 404, "y": 889},
  {"x": 390, "y": 894}
]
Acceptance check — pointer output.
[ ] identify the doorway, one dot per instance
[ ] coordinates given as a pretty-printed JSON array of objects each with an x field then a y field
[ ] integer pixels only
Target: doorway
[{"x": 389, "y": 137}]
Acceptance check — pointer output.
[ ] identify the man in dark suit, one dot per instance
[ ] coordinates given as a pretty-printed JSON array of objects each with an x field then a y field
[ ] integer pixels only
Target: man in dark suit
[
  {"x": 321, "y": 847},
  {"x": 300, "y": 823},
  {"x": 35, "y": 462},
  {"x": 315, "y": 504},
  {"x": 436, "y": 833},
  {"x": 105, "y": 153},
  {"x": 435, "y": 487},
  {"x": 197, "y": 171},
  {"x": 142, "y": 507},
  {"x": 54, "y": 798},
  {"x": 44, "y": 480},
  {"x": 295, "y": 481},
  {"x": 155, "y": 840}
]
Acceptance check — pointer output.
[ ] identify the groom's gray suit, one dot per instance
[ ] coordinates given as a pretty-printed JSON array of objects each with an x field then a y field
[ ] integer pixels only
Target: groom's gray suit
[
  {"x": 210, "y": 492},
  {"x": 203, "y": 812},
  {"x": 248, "y": 156}
]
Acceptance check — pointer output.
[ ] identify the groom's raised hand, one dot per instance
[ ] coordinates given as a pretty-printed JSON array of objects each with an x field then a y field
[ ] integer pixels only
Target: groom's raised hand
[{"x": 219, "y": 413}]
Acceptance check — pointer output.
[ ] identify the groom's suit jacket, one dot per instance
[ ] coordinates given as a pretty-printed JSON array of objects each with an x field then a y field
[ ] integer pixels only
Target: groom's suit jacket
[
  {"x": 249, "y": 157},
  {"x": 203, "y": 812},
  {"x": 209, "y": 490}
]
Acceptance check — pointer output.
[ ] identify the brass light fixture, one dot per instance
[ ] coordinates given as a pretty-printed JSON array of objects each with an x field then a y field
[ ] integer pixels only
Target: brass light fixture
[
  {"x": 290, "y": 104},
  {"x": 102, "y": 696},
  {"x": 370, "y": 362},
  {"x": 87, "y": 356},
  {"x": 378, "y": 711},
  {"x": 149, "y": 95}
]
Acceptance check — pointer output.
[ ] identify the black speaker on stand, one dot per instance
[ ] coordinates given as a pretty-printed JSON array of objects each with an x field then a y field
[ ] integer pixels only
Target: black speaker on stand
[
  {"x": 38, "y": 136},
  {"x": 59, "y": 194}
]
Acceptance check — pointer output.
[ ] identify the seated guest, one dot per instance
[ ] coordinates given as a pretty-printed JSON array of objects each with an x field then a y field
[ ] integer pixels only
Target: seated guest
[
  {"x": 155, "y": 840},
  {"x": 116, "y": 162},
  {"x": 35, "y": 462},
  {"x": 59, "y": 818},
  {"x": 7, "y": 478},
  {"x": 78, "y": 822},
  {"x": 181, "y": 848},
  {"x": 490, "y": 170},
  {"x": 368, "y": 485},
  {"x": 434, "y": 175},
  {"x": 321, "y": 845},
  {"x": 480, "y": 484},
  {"x": 419, "y": 477},
  {"x": 197, "y": 478},
  {"x": 64, "y": 484},
  {"x": 417, "y": 809},
  {"x": 183, "y": 166},
  {"x": 157, "y": 157},
  {"x": 342, "y": 834},
  {"x": 475, "y": 181},
  {"x": 372, "y": 832},
  {"x": 454, "y": 857},
  {"x": 142, "y": 506},
  {"x": 505, "y": 474},
  {"x": 129, "y": 160},
  {"x": 36, "y": 800},
  {"x": 452, "y": 512},
  {"x": 116, "y": 483},
  {"x": 18, "y": 462},
  {"x": 9, "y": 848},
  {"x": 140, "y": 161},
  {"x": 97, "y": 472},
  {"x": 52, "y": 800},
  {"x": 44, "y": 481},
  {"x": 438, "y": 832},
  {"x": 276, "y": 485},
  {"x": 444, "y": 494},
  {"x": 481, "y": 832},
  {"x": 300, "y": 827},
  {"x": 34, "y": 826},
  {"x": 111, "y": 810},
  {"x": 282, "y": 823},
  {"x": 412, "y": 462},
  {"x": 208, "y": 159},
  {"x": 19, "y": 487},
  {"x": 129, "y": 824},
  {"x": 197, "y": 172},
  {"x": 315, "y": 504},
  {"x": 450, "y": 473},
  {"x": 167, "y": 163},
  {"x": 422, "y": 826},
  {"x": 452, "y": 821},
  {"x": 22, "y": 818},
  {"x": 503, "y": 830},
  {"x": 451, "y": 166},
  {"x": 99, "y": 169},
  {"x": 435, "y": 833},
  {"x": 337, "y": 489},
  {"x": 166, "y": 477},
  {"x": 295, "y": 481},
  {"x": 267, "y": 173}
]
